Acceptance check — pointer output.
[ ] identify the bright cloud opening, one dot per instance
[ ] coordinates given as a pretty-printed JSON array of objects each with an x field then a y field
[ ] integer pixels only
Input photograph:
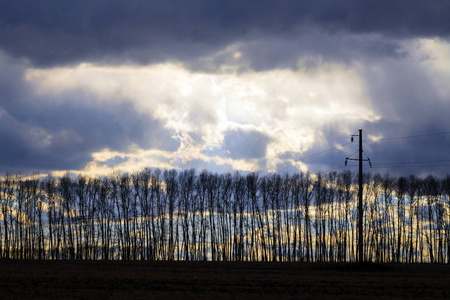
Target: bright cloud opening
[{"x": 290, "y": 109}]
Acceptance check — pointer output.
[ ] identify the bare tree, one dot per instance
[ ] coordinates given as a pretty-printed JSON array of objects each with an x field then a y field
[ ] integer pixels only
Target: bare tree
[{"x": 170, "y": 178}]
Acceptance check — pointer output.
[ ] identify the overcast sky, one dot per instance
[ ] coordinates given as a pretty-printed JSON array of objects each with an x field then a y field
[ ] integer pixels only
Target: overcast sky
[{"x": 102, "y": 86}]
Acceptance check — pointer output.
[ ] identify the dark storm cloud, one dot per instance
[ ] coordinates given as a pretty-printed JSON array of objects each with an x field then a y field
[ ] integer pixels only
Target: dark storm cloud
[
  {"x": 409, "y": 100},
  {"x": 412, "y": 112},
  {"x": 245, "y": 144},
  {"x": 305, "y": 46},
  {"x": 313, "y": 47},
  {"x": 24, "y": 149},
  {"x": 61, "y": 32},
  {"x": 415, "y": 148},
  {"x": 47, "y": 134}
]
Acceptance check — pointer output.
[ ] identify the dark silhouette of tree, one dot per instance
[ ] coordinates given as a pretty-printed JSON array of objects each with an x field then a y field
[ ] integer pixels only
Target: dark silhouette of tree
[{"x": 171, "y": 215}]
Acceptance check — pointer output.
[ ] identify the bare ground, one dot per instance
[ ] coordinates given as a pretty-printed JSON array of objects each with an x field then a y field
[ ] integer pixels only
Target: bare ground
[{"x": 219, "y": 280}]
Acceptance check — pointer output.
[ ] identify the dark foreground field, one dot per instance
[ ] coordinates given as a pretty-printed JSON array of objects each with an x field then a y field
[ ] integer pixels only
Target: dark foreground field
[{"x": 225, "y": 280}]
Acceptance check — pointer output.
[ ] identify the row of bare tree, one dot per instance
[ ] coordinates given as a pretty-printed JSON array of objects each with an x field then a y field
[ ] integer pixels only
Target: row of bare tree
[{"x": 171, "y": 215}]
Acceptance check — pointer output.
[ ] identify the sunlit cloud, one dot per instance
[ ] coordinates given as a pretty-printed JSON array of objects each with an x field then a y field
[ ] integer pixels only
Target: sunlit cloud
[{"x": 290, "y": 109}]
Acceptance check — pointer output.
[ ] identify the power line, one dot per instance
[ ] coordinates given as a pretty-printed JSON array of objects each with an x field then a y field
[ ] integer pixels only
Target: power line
[
  {"x": 341, "y": 167},
  {"x": 413, "y": 163},
  {"x": 411, "y": 166},
  {"x": 318, "y": 153},
  {"x": 408, "y": 137},
  {"x": 382, "y": 165},
  {"x": 311, "y": 155},
  {"x": 395, "y": 166}
]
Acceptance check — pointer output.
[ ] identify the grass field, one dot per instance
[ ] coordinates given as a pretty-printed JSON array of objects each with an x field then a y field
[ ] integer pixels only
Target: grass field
[{"x": 219, "y": 280}]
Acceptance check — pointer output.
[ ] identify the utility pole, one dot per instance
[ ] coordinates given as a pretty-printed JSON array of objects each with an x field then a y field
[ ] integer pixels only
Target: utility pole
[
  {"x": 360, "y": 195},
  {"x": 360, "y": 201}
]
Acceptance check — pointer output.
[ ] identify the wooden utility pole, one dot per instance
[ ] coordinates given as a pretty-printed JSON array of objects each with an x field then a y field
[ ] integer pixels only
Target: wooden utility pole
[
  {"x": 360, "y": 196},
  {"x": 360, "y": 201}
]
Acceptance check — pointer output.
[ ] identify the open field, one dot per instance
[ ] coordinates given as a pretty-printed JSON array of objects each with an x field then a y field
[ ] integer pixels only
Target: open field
[{"x": 219, "y": 280}]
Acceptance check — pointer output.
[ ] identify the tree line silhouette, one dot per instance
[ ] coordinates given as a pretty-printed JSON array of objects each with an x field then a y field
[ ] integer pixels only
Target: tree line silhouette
[{"x": 189, "y": 215}]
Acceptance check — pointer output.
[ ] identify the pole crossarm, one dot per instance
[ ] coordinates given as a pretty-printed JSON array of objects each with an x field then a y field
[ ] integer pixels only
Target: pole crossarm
[{"x": 348, "y": 158}]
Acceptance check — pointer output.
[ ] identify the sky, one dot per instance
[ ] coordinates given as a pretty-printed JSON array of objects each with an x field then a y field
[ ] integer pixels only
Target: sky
[{"x": 263, "y": 86}]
